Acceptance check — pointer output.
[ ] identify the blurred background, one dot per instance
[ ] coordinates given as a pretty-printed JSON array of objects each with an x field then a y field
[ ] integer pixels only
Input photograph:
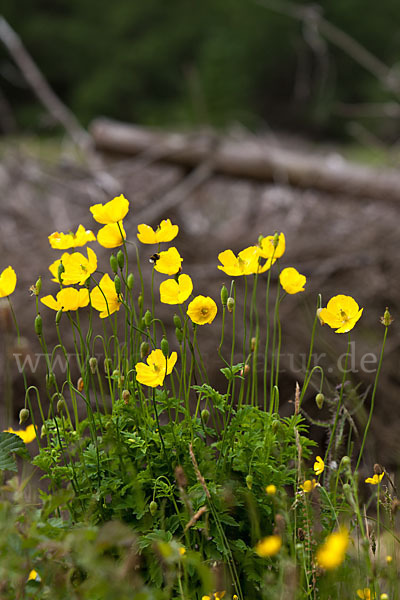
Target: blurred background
[{"x": 308, "y": 93}]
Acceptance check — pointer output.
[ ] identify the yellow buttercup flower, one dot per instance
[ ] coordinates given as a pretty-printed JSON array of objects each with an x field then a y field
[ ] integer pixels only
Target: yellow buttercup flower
[
  {"x": 271, "y": 489},
  {"x": 269, "y": 546},
  {"x": 77, "y": 268},
  {"x": 63, "y": 241},
  {"x": 375, "y": 479},
  {"x": 34, "y": 576},
  {"x": 272, "y": 246},
  {"x": 245, "y": 263},
  {"x": 110, "y": 212},
  {"x": 333, "y": 551},
  {"x": 67, "y": 299},
  {"x": 27, "y": 435},
  {"x": 319, "y": 466},
  {"x": 104, "y": 297},
  {"x": 202, "y": 310},
  {"x": 309, "y": 485},
  {"x": 176, "y": 292},
  {"x": 110, "y": 236},
  {"x": 341, "y": 313},
  {"x": 292, "y": 281},
  {"x": 365, "y": 594},
  {"x": 158, "y": 366},
  {"x": 168, "y": 262},
  {"x": 165, "y": 232},
  {"x": 8, "y": 281}
]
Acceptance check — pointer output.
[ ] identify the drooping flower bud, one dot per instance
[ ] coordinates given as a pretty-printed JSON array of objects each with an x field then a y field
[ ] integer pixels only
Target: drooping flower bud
[
  {"x": 319, "y": 400},
  {"x": 80, "y": 385},
  {"x": 153, "y": 507},
  {"x": 253, "y": 343},
  {"x": 61, "y": 406},
  {"x": 58, "y": 316},
  {"x": 144, "y": 349},
  {"x": 164, "y": 347},
  {"x": 205, "y": 415},
  {"x": 319, "y": 316},
  {"x": 179, "y": 335},
  {"x": 93, "y": 364},
  {"x": 120, "y": 259},
  {"x": 140, "y": 302},
  {"x": 177, "y": 321},
  {"x": 224, "y": 295},
  {"x": 38, "y": 325},
  {"x": 130, "y": 281},
  {"x": 117, "y": 283},
  {"x": 23, "y": 415},
  {"x": 230, "y": 304},
  {"x": 126, "y": 395},
  {"x": 107, "y": 365},
  {"x": 114, "y": 264},
  {"x": 148, "y": 318},
  {"x": 249, "y": 481},
  {"x": 50, "y": 379}
]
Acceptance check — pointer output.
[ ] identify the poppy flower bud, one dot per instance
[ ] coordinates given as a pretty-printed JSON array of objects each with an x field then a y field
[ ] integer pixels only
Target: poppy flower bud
[
  {"x": 164, "y": 347},
  {"x": 230, "y": 303},
  {"x": 140, "y": 302},
  {"x": 245, "y": 371},
  {"x": 60, "y": 271},
  {"x": 114, "y": 264},
  {"x": 253, "y": 344},
  {"x": 275, "y": 240},
  {"x": 38, "y": 286},
  {"x": 205, "y": 415},
  {"x": 93, "y": 364},
  {"x": 38, "y": 325},
  {"x": 179, "y": 335},
  {"x": 148, "y": 318},
  {"x": 144, "y": 349},
  {"x": 177, "y": 322},
  {"x": 125, "y": 395},
  {"x": 117, "y": 283},
  {"x": 346, "y": 461},
  {"x": 50, "y": 379},
  {"x": 120, "y": 259},
  {"x": 61, "y": 406},
  {"x": 80, "y": 385},
  {"x": 58, "y": 316},
  {"x": 23, "y": 415},
  {"x": 224, "y": 295},
  {"x": 319, "y": 400},
  {"x": 319, "y": 316},
  {"x": 153, "y": 506},
  {"x": 249, "y": 481},
  {"x": 107, "y": 365},
  {"x": 43, "y": 431},
  {"x": 130, "y": 281},
  {"x": 378, "y": 469}
]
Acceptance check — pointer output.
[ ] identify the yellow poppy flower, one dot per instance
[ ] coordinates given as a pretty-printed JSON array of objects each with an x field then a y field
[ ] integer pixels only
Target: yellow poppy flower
[
  {"x": 67, "y": 299},
  {"x": 168, "y": 262},
  {"x": 110, "y": 212},
  {"x": 271, "y": 246},
  {"x": 8, "y": 281},
  {"x": 110, "y": 236},
  {"x": 292, "y": 281},
  {"x": 153, "y": 373},
  {"x": 202, "y": 310},
  {"x": 341, "y": 313},
  {"x": 319, "y": 466},
  {"x": 365, "y": 594},
  {"x": 245, "y": 263},
  {"x": 165, "y": 232},
  {"x": 176, "y": 292},
  {"x": 269, "y": 546},
  {"x": 34, "y": 576},
  {"x": 333, "y": 551},
  {"x": 271, "y": 489},
  {"x": 309, "y": 485},
  {"x": 27, "y": 435},
  {"x": 375, "y": 479},
  {"x": 63, "y": 241},
  {"x": 77, "y": 268},
  {"x": 104, "y": 297}
]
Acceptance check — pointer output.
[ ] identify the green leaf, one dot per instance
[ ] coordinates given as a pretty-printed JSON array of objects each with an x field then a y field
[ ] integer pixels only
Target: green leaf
[
  {"x": 11, "y": 444},
  {"x": 232, "y": 372}
]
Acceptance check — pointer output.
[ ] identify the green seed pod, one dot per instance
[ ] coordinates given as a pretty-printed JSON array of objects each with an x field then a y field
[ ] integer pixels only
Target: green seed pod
[
  {"x": 153, "y": 506},
  {"x": 38, "y": 286},
  {"x": 177, "y": 322},
  {"x": 130, "y": 281},
  {"x": 319, "y": 400},
  {"x": 249, "y": 481},
  {"x": 107, "y": 365},
  {"x": 224, "y": 295},
  {"x": 117, "y": 283},
  {"x": 164, "y": 347},
  {"x": 142, "y": 324},
  {"x": 38, "y": 325},
  {"x": 93, "y": 364},
  {"x": 50, "y": 379},
  {"x": 60, "y": 271},
  {"x": 140, "y": 302},
  {"x": 58, "y": 316},
  {"x": 179, "y": 335},
  {"x": 61, "y": 406},
  {"x": 114, "y": 264},
  {"x": 23, "y": 415},
  {"x": 230, "y": 303},
  {"x": 120, "y": 259},
  {"x": 144, "y": 349},
  {"x": 205, "y": 415},
  {"x": 148, "y": 318}
]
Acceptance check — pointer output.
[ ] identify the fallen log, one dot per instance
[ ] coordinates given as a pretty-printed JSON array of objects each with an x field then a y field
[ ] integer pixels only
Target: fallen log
[{"x": 249, "y": 158}]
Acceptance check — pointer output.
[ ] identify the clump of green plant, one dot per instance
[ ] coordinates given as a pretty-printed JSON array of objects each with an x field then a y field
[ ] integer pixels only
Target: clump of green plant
[{"x": 184, "y": 490}]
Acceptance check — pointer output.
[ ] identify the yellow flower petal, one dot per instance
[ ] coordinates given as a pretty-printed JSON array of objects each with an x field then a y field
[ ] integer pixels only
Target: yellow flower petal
[
  {"x": 77, "y": 268},
  {"x": 319, "y": 466},
  {"x": 375, "y": 479},
  {"x": 202, "y": 310},
  {"x": 292, "y": 281},
  {"x": 165, "y": 232},
  {"x": 269, "y": 546},
  {"x": 67, "y": 299},
  {"x": 27, "y": 435},
  {"x": 154, "y": 372},
  {"x": 341, "y": 313},
  {"x": 63, "y": 241},
  {"x": 333, "y": 551},
  {"x": 111, "y": 212},
  {"x": 168, "y": 262},
  {"x": 269, "y": 248},
  {"x": 245, "y": 263},
  {"x": 176, "y": 292},
  {"x": 308, "y": 485},
  {"x": 104, "y": 297},
  {"x": 8, "y": 281},
  {"x": 110, "y": 236}
]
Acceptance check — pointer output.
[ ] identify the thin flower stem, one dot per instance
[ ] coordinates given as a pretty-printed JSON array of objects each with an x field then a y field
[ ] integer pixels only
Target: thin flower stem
[{"x": 303, "y": 391}]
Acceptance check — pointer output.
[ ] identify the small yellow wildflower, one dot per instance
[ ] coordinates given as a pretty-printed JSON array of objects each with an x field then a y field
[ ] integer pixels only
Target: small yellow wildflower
[
  {"x": 165, "y": 232},
  {"x": 375, "y": 479},
  {"x": 64, "y": 241},
  {"x": 104, "y": 297},
  {"x": 272, "y": 246},
  {"x": 245, "y": 263},
  {"x": 219, "y": 595},
  {"x": 384, "y": 596},
  {"x": 292, "y": 281},
  {"x": 319, "y": 466},
  {"x": 365, "y": 594},
  {"x": 168, "y": 262},
  {"x": 271, "y": 489},
  {"x": 67, "y": 299},
  {"x": 308, "y": 485},
  {"x": 389, "y": 559},
  {"x": 202, "y": 310},
  {"x": 112, "y": 211},
  {"x": 8, "y": 281},
  {"x": 341, "y": 313},
  {"x": 27, "y": 435},
  {"x": 158, "y": 366},
  {"x": 269, "y": 546},
  {"x": 176, "y": 292},
  {"x": 182, "y": 551},
  {"x": 77, "y": 268},
  {"x": 111, "y": 235},
  {"x": 34, "y": 576},
  {"x": 333, "y": 551}
]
